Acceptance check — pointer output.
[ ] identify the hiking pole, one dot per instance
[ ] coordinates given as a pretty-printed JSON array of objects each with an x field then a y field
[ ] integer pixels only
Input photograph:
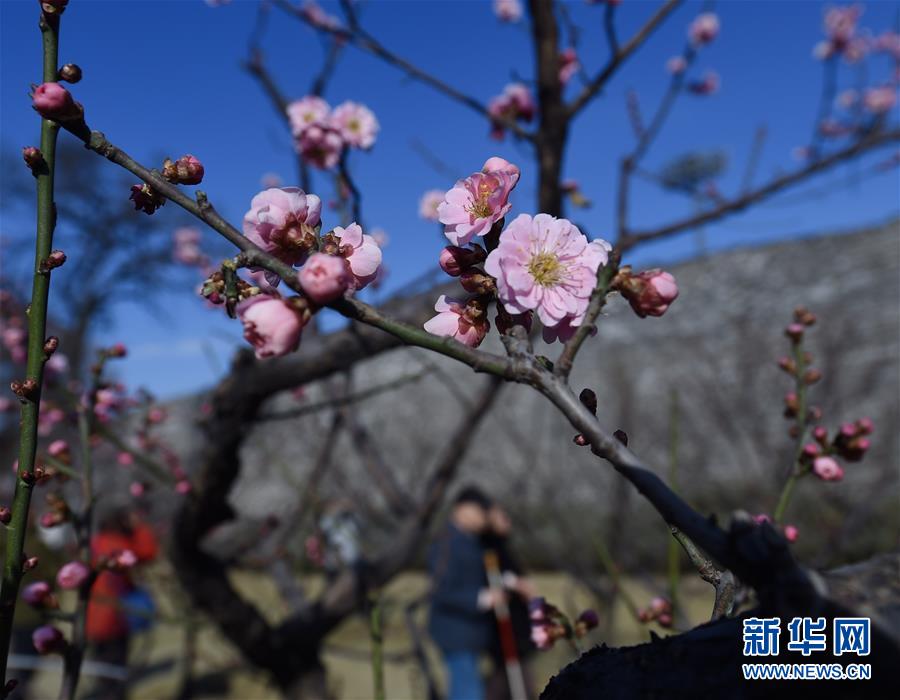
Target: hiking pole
[{"x": 504, "y": 623}]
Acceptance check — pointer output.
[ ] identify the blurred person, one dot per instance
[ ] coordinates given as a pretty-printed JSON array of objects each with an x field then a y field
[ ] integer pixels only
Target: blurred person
[
  {"x": 520, "y": 590},
  {"x": 461, "y": 623},
  {"x": 117, "y": 607}
]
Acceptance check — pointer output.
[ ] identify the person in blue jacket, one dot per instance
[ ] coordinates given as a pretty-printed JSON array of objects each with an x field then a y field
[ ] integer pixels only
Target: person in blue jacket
[{"x": 461, "y": 622}]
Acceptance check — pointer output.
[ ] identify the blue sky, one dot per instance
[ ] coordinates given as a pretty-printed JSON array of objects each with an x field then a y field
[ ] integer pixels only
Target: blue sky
[{"x": 165, "y": 76}]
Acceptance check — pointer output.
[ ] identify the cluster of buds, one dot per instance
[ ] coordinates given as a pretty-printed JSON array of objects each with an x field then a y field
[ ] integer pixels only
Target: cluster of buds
[
  {"x": 26, "y": 389},
  {"x": 650, "y": 293},
  {"x": 548, "y": 624},
  {"x": 214, "y": 289},
  {"x": 187, "y": 170},
  {"x": 659, "y": 610},
  {"x": 850, "y": 444}
]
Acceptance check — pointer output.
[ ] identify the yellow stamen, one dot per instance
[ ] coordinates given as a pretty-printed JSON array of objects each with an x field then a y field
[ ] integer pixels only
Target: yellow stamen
[{"x": 546, "y": 269}]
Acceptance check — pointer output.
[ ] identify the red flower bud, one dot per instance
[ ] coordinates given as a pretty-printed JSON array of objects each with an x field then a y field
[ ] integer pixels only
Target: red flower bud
[
  {"x": 52, "y": 101},
  {"x": 33, "y": 158},
  {"x": 70, "y": 72},
  {"x": 187, "y": 170}
]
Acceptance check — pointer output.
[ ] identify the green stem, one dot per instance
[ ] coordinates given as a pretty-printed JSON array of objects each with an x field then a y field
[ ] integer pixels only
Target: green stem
[
  {"x": 797, "y": 470},
  {"x": 37, "y": 327},
  {"x": 377, "y": 636},
  {"x": 612, "y": 570}
]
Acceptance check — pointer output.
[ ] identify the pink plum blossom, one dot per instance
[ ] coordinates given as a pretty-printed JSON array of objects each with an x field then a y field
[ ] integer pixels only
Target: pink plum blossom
[
  {"x": 183, "y": 486},
  {"x": 282, "y": 221},
  {"x": 355, "y": 123},
  {"x": 124, "y": 459},
  {"x": 187, "y": 247},
  {"x": 676, "y": 65},
  {"x": 321, "y": 146},
  {"x": 540, "y": 636},
  {"x": 271, "y": 325},
  {"x": 325, "y": 277},
  {"x": 362, "y": 254},
  {"x": 704, "y": 29},
  {"x": 516, "y": 102},
  {"x": 455, "y": 319},
  {"x": 791, "y": 533},
  {"x": 475, "y": 204},
  {"x": 547, "y": 265},
  {"x": 568, "y": 65},
  {"x": 428, "y": 204},
  {"x": 827, "y": 468},
  {"x": 840, "y": 24},
  {"x": 70, "y": 576},
  {"x": 306, "y": 112},
  {"x": 137, "y": 489},
  {"x": 880, "y": 100},
  {"x": 508, "y": 10}
]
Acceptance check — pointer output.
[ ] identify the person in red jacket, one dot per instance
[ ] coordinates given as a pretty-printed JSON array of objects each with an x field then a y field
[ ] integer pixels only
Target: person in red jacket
[{"x": 108, "y": 628}]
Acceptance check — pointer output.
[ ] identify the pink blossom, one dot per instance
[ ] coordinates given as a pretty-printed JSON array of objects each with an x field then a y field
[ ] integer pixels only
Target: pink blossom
[
  {"x": 306, "y": 112},
  {"x": 848, "y": 98},
  {"x": 456, "y": 319},
  {"x": 58, "y": 449},
  {"x": 355, "y": 123},
  {"x": 156, "y": 415},
  {"x": 650, "y": 292},
  {"x": 124, "y": 459},
  {"x": 53, "y": 101},
  {"x": 317, "y": 17},
  {"x": 187, "y": 246},
  {"x": 48, "y": 419},
  {"x": 125, "y": 559},
  {"x": 183, "y": 486},
  {"x": 325, "y": 277},
  {"x": 840, "y": 24},
  {"x": 475, "y": 204},
  {"x": 880, "y": 100},
  {"x": 48, "y": 640},
  {"x": 704, "y": 29},
  {"x": 271, "y": 325},
  {"x": 546, "y": 264},
  {"x": 72, "y": 575},
  {"x": 540, "y": 636},
  {"x": 282, "y": 222},
  {"x": 676, "y": 65},
  {"x": 515, "y": 102},
  {"x": 827, "y": 469},
  {"x": 57, "y": 365},
  {"x": 362, "y": 253},
  {"x": 428, "y": 204},
  {"x": 568, "y": 65},
  {"x": 791, "y": 533},
  {"x": 321, "y": 146},
  {"x": 508, "y": 10},
  {"x": 137, "y": 489}
]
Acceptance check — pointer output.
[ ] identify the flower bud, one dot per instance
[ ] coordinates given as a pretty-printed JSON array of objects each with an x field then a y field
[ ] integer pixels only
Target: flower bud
[
  {"x": 72, "y": 575},
  {"x": 25, "y": 390},
  {"x": 791, "y": 533},
  {"x": 621, "y": 436},
  {"x": 117, "y": 350},
  {"x": 804, "y": 316},
  {"x": 48, "y": 640},
  {"x": 827, "y": 468},
  {"x": 865, "y": 425},
  {"x": 325, "y": 278},
  {"x": 34, "y": 159},
  {"x": 59, "y": 449},
  {"x": 146, "y": 199},
  {"x": 580, "y": 440},
  {"x": 187, "y": 170},
  {"x": 54, "y": 7},
  {"x": 820, "y": 434},
  {"x": 57, "y": 258},
  {"x": 454, "y": 260},
  {"x": 5, "y": 515},
  {"x": 30, "y": 563},
  {"x": 52, "y": 101},
  {"x": 37, "y": 594},
  {"x": 787, "y": 364},
  {"x": 477, "y": 282},
  {"x": 589, "y": 400},
  {"x": 50, "y": 346},
  {"x": 650, "y": 292},
  {"x": 795, "y": 332},
  {"x": 71, "y": 73},
  {"x": 811, "y": 376}
]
